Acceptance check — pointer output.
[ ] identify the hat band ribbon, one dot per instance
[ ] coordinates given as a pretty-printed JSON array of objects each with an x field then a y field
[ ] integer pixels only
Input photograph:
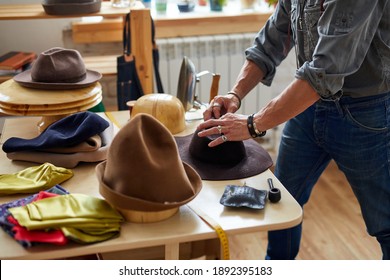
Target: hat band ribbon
[{"x": 70, "y": 80}]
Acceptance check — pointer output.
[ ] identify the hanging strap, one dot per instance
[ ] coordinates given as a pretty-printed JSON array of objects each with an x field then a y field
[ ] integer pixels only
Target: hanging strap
[
  {"x": 156, "y": 61},
  {"x": 156, "y": 56},
  {"x": 127, "y": 36}
]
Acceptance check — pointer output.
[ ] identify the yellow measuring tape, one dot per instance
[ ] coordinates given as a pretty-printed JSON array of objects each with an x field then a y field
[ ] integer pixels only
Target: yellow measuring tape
[
  {"x": 112, "y": 119},
  {"x": 223, "y": 239}
]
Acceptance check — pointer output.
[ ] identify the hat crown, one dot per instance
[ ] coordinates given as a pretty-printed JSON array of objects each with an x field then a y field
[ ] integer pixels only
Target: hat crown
[
  {"x": 143, "y": 164},
  {"x": 229, "y": 153},
  {"x": 58, "y": 65},
  {"x": 228, "y": 161}
]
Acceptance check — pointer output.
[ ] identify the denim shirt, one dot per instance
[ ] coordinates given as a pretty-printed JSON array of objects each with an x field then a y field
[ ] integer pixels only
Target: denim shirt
[{"x": 341, "y": 46}]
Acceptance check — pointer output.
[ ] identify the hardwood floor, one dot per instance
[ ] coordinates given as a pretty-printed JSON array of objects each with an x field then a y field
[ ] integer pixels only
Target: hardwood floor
[{"x": 333, "y": 228}]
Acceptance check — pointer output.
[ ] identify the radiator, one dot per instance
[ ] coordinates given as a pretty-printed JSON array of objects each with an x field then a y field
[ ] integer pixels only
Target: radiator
[{"x": 222, "y": 54}]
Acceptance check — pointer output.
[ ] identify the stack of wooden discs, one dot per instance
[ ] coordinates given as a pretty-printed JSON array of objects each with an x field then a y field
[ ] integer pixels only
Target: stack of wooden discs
[{"x": 52, "y": 105}]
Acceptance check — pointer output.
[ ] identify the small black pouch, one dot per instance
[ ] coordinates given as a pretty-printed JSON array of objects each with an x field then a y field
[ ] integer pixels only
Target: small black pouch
[{"x": 243, "y": 196}]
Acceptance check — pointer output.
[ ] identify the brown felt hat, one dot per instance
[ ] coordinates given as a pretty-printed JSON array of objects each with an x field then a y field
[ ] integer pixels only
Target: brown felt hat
[
  {"x": 58, "y": 68},
  {"x": 143, "y": 176},
  {"x": 228, "y": 161},
  {"x": 71, "y": 7}
]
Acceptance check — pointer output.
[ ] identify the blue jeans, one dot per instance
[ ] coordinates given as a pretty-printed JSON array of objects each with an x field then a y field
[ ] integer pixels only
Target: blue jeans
[{"x": 355, "y": 133}]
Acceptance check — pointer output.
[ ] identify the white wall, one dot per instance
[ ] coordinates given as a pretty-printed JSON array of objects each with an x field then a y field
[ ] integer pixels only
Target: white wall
[{"x": 31, "y": 35}]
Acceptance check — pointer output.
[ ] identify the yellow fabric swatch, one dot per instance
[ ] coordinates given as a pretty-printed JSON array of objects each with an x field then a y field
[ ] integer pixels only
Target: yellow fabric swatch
[
  {"x": 33, "y": 179},
  {"x": 86, "y": 237}
]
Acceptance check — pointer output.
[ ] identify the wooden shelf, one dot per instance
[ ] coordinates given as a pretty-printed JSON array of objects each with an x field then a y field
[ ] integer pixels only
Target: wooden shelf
[
  {"x": 36, "y": 11},
  {"x": 210, "y": 25},
  {"x": 174, "y": 24},
  {"x": 140, "y": 30}
]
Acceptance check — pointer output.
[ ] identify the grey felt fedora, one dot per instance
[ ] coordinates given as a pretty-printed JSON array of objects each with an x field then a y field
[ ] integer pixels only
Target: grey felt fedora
[{"x": 58, "y": 68}]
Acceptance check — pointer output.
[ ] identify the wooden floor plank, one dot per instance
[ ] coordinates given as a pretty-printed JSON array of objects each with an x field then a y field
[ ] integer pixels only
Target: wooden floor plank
[{"x": 333, "y": 226}]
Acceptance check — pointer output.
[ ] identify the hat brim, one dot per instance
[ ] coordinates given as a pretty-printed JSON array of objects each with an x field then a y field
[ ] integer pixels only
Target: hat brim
[
  {"x": 124, "y": 202},
  {"x": 69, "y": 8},
  {"x": 24, "y": 79},
  {"x": 257, "y": 160}
]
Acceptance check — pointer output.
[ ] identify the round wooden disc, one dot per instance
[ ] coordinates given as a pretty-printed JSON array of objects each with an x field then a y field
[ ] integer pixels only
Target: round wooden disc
[
  {"x": 64, "y": 111},
  {"x": 33, "y": 110},
  {"x": 21, "y": 99}
]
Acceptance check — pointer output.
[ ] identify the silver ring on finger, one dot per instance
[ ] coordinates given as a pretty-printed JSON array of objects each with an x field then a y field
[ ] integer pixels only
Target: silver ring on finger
[
  {"x": 224, "y": 138},
  {"x": 215, "y": 104},
  {"x": 219, "y": 129}
]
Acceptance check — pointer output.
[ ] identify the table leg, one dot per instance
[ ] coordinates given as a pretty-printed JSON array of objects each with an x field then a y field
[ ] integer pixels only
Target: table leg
[{"x": 172, "y": 251}]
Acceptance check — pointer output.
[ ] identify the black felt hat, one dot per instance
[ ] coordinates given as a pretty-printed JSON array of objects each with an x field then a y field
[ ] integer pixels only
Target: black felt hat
[{"x": 228, "y": 161}]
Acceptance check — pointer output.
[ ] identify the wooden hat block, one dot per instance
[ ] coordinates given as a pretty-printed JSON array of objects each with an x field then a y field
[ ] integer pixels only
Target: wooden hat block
[
  {"x": 51, "y": 105},
  {"x": 166, "y": 108},
  {"x": 147, "y": 217}
]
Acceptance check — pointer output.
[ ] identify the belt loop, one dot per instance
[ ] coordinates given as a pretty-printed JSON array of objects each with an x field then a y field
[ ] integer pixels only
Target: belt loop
[
  {"x": 336, "y": 100},
  {"x": 339, "y": 106}
]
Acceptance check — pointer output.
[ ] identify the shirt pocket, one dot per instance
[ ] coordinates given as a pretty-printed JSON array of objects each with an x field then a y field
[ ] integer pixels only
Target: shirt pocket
[{"x": 312, "y": 14}]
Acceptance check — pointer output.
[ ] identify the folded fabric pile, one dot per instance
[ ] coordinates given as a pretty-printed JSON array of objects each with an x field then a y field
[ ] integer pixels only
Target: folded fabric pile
[
  {"x": 33, "y": 179},
  {"x": 55, "y": 216},
  {"x": 81, "y": 137},
  {"x": 8, "y": 224}
]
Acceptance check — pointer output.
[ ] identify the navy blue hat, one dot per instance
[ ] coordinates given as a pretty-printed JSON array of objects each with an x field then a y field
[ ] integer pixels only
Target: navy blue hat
[{"x": 66, "y": 132}]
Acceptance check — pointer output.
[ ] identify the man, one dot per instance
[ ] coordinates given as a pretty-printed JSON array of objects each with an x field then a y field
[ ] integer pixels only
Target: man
[{"x": 337, "y": 107}]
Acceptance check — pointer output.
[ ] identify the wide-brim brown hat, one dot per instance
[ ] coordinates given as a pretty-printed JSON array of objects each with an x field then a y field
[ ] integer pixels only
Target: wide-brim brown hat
[
  {"x": 228, "y": 161},
  {"x": 143, "y": 172},
  {"x": 58, "y": 68},
  {"x": 71, "y": 7}
]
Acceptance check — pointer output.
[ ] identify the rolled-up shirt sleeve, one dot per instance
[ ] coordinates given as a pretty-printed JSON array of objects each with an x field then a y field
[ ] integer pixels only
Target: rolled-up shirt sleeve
[
  {"x": 346, "y": 30},
  {"x": 271, "y": 44}
]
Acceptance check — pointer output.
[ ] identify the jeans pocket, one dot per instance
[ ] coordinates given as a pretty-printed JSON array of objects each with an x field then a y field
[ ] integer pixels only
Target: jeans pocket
[{"x": 368, "y": 116}]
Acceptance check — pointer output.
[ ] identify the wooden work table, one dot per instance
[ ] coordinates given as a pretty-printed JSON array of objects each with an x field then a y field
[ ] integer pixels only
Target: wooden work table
[{"x": 185, "y": 226}]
